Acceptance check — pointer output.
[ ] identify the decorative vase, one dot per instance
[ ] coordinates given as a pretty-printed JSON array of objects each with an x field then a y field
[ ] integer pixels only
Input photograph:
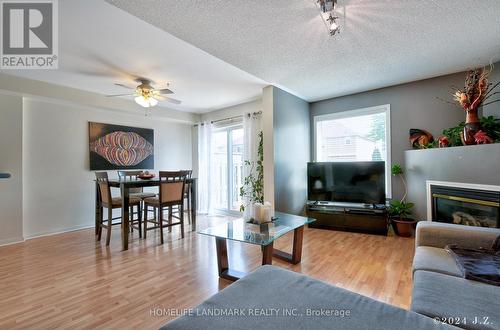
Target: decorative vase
[{"x": 472, "y": 126}]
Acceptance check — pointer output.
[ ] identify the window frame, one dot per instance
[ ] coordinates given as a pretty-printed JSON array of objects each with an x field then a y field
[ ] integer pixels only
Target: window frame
[{"x": 385, "y": 109}]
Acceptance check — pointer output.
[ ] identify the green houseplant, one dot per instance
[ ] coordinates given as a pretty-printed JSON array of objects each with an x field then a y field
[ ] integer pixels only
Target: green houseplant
[
  {"x": 253, "y": 184},
  {"x": 400, "y": 210}
]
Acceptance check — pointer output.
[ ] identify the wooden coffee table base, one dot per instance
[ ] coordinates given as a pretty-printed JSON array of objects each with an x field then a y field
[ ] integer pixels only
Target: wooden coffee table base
[
  {"x": 267, "y": 255},
  {"x": 296, "y": 256}
]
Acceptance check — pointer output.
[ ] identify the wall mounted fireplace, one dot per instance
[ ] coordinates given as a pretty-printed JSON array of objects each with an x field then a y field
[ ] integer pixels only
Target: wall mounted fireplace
[{"x": 463, "y": 204}]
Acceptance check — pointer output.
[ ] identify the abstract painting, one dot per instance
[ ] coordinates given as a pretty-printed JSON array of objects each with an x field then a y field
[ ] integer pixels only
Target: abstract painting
[{"x": 120, "y": 147}]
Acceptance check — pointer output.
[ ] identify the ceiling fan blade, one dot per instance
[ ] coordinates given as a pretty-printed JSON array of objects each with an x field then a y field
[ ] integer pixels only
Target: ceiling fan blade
[
  {"x": 94, "y": 73},
  {"x": 165, "y": 91},
  {"x": 128, "y": 94},
  {"x": 125, "y": 86},
  {"x": 168, "y": 99},
  {"x": 171, "y": 100}
]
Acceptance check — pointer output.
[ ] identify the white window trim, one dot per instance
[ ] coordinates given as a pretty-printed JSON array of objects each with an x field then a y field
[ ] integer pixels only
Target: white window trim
[{"x": 385, "y": 109}]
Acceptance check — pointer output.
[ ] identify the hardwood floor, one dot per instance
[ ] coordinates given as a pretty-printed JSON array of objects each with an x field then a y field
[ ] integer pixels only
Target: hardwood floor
[{"x": 71, "y": 281}]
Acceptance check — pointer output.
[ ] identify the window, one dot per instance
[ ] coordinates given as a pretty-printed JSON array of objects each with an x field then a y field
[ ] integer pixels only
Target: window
[
  {"x": 357, "y": 135},
  {"x": 227, "y": 167}
]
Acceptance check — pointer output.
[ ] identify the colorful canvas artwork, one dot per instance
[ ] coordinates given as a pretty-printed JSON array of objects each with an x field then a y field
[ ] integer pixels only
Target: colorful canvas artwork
[{"x": 120, "y": 147}]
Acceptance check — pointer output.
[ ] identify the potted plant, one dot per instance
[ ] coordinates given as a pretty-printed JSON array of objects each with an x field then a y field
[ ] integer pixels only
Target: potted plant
[
  {"x": 400, "y": 210},
  {"x": 252, "y": 190}
]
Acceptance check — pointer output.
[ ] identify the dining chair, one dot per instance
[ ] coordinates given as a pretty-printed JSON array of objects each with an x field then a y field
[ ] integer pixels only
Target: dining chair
[
  {"x": 135, "y": 192},
  {"x": 187, "y": 193},
  {"x": 172, "y": 185},
  {"x": 187, "y": 197},
  {"x": 111, "y": 203}
]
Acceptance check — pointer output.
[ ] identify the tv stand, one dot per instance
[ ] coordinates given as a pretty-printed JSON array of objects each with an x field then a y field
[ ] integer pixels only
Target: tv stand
[{"x": 355, "y": 217}]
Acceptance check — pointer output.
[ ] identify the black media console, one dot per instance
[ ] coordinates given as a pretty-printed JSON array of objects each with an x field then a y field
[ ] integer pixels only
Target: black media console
[{"x": 349, "y": 217}]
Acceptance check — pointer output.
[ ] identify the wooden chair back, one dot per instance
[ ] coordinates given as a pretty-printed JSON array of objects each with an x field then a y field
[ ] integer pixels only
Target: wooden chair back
[
  {"x": 172, "y": 187},
  {"x": 131, "y": 175},
  {"x": 189, "y": 174},
  {"x": 104, "y": 189}
]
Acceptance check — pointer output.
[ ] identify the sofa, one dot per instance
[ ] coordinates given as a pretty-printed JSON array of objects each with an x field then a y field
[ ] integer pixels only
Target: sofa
[
  {"x": 439, "y": 291},
  {"x": 275, "y": 298}
]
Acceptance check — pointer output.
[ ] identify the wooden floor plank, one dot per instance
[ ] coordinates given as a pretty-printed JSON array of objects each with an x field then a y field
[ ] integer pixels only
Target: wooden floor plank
[{"x": 70, "y": 281}]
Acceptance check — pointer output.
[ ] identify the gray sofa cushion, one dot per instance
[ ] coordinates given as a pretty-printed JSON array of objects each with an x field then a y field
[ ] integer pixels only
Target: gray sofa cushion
[
  {"x": 274, "y": 288},
  {"x": 436, "y": 260},
  {"x": 439, "y": 295},
  {"x": 438, "y": 234}
]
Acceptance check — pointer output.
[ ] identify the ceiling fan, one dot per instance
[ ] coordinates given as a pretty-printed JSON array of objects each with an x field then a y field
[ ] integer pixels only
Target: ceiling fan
[{"x": 146, "y": 95}]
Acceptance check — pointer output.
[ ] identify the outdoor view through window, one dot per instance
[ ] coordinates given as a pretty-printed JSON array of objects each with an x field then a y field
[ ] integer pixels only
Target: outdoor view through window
[
  {"x": 348, "y": 137},
  {"x": 359, "y": 138},
  {"x": 227, "y": 168}
]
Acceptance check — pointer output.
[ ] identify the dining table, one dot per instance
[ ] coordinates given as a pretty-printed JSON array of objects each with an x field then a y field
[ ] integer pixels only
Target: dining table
[{"x": 125, "y": 184}]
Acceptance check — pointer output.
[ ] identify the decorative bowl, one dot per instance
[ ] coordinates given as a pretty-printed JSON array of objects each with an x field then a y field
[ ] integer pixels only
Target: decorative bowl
[{"x": 146, "y": 176}]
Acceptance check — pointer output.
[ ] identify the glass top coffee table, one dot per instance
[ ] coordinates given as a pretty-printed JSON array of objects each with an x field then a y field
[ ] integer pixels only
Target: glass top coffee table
[{"x": 263, "y": 235}]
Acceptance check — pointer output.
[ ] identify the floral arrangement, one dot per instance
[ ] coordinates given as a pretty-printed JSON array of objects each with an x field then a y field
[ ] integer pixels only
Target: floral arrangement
[{"x": 477, "y": 90}]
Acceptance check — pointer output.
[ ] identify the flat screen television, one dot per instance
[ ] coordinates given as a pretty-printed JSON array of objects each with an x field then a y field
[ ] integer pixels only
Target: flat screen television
[{"x": 347, "y": 182}]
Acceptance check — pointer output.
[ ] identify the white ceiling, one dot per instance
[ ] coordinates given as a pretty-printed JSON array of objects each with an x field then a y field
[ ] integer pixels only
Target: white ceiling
[
  {"x": 219, "y": 53},
  {"x": 101, "y": 45},
  {"x": 285, "y": 42}
]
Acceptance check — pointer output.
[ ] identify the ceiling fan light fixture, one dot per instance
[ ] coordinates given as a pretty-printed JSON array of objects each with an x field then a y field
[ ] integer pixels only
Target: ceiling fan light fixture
[
  {"x": 146, "y": 95},
  {"x": 153, "y": 102},
  {"x": 146, "y": 102}
]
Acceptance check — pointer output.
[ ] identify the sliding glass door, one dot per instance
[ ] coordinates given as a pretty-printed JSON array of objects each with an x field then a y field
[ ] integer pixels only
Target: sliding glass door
[{"x": 227, "y": 165}]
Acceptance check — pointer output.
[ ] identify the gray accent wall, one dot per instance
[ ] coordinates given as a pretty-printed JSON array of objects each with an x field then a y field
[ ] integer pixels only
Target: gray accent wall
[
  {"x": 471, "y": 164},
  {"x": 413, "y": 105},
  {"x": 291, "y": 151},
  {"x": 416, "y": 105}
]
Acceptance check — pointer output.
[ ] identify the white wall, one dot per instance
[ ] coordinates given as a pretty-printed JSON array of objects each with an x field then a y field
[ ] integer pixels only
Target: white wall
[
  {"x": 58, "y": 185},
  {"x": 237, "y": 110},
  {"x": 11, "y": 193}
]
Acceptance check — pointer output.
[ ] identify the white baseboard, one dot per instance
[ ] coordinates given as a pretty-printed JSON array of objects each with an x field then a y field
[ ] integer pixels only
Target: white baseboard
[
  {"x": 59, "y": 231},
  {"x": 10, "y": 241}
]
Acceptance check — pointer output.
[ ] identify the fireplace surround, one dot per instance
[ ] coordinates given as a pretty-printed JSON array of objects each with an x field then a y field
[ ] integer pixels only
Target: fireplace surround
[{"x": 463, "y": 203}]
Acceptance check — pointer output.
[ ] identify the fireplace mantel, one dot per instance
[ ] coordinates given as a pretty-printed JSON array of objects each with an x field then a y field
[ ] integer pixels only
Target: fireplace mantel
[{"x": 469, "y": 165}]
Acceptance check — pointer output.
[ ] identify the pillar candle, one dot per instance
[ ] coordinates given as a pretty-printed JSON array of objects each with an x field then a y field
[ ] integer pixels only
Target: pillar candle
[
  {"x": 266, "y": 213},
  {"x": 256, "y": 212}
]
